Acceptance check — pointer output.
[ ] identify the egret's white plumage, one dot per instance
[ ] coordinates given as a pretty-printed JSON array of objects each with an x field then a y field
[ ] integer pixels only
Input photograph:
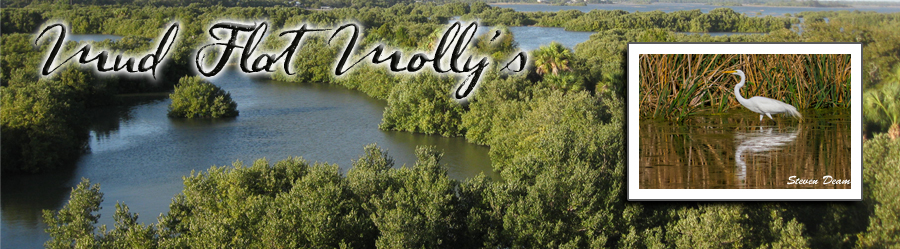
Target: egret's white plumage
[{"x": 762, "y": 105}]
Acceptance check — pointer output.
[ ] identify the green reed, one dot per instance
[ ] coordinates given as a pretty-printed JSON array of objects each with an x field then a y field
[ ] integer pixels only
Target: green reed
[{"x": 676, "y": 86}]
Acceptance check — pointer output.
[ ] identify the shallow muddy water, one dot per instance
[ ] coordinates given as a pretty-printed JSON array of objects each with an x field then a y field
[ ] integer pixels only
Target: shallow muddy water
[{"x": 737, "y": 151}]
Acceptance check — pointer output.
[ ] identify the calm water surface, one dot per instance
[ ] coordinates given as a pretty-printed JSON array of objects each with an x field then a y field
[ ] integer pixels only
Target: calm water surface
[
  {"x": 92, "y": 37},
  {"x": 531, "y": 38},
  {"x": 735, "y": 151},
  {"x": 139, "y": 156},
  {"x": 672, "y": 7}
]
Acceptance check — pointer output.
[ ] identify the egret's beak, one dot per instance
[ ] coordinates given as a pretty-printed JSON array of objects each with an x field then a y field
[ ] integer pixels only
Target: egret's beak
[{"x": 730, "y": 72}]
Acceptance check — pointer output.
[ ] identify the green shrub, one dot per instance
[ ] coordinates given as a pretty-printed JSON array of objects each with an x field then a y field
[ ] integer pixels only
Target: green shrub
[
  {"x": 882, "y": 187},
  {"x": 882, "y": 109},
  {"x": 197, "y": 98},
  {"x": 422, "y": 103},
  {"x": 74, "y": 225},
  {"x": 288, "y": 204},
  {"x": 40, "y": 125}
]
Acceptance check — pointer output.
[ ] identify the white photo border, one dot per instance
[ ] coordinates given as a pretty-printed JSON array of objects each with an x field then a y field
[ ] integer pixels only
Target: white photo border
[{"x": 635, "y": 193}]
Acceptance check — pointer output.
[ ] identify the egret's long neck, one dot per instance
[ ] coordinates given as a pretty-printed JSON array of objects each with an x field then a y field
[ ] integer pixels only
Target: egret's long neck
[{"x": 737, "y": 90}]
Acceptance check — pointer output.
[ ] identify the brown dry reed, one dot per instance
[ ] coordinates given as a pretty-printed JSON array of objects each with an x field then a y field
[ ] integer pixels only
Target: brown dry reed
[{"x": 676, "y": 86}]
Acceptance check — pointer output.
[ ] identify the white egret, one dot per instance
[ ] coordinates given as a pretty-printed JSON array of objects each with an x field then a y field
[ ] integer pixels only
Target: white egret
[{"x": 762, "y": 105}]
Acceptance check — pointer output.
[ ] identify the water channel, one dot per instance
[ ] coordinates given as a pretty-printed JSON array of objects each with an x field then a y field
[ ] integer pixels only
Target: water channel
[{"x": 138, "y": 155}]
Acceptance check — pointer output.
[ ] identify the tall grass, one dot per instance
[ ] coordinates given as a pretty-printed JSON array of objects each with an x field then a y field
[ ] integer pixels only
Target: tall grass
[{"x": 676, "y": 86}]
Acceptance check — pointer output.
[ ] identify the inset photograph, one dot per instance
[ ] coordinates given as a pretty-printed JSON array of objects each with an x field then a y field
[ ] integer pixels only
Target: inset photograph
[{"x": 746, "y": 123}]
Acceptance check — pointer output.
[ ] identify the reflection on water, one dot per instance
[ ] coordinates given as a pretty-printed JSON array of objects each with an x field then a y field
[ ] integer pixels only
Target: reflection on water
[
  {"x": 758, "y": 143},
  {"x": 737, "y": 151},
  {"x": 139, "y": 155},
  {"x": 24, "y": 196}
]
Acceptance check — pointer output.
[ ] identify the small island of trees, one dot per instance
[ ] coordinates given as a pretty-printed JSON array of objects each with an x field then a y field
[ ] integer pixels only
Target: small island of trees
[{"x": 197, "y": 98}]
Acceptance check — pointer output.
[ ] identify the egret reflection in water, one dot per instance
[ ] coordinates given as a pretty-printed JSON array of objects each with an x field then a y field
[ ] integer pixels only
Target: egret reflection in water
[{"x": 758, "y": 142}]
